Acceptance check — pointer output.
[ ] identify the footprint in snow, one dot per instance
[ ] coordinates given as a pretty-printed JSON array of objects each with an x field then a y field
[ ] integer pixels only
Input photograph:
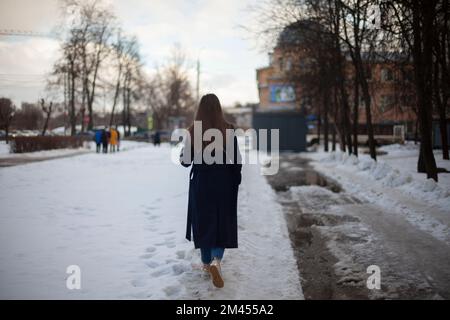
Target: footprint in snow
[
  {"x": 139, "y": 283},
  {"x": 180, "y": 268},
  {"x": 170, "y": 291},
  {"x": 160, "y": 272},
  {"x": 152, "y": 264},
  {"x": 181, "y": 254}
]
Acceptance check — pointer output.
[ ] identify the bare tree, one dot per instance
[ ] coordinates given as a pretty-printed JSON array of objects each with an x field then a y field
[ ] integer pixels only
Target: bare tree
[
  {"x": 28, "y": 116},
  {"x": 413, "y": 24},
  {"x": 47, "y": 109},
  {"x": 169, "y": 92},
  {"x": 95, "y": 24},
  {"x": 7, "y": 111},
  {"x": 441, "y": 70},
  {"x": 359, "y": 39},
  {"x": 132, "y": 78},
  {"x": 119, "y": 57},
  {"x": 89, "y": 26}
]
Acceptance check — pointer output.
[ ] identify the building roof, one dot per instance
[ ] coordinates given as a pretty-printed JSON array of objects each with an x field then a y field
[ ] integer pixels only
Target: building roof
[{"x": 298, "y": 33}]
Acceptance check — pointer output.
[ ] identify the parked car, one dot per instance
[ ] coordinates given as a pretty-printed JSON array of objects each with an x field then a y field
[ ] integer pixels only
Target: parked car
[
  {"x": 165, "y": 135},
  {"x": 142, "y": 135},
  {"x": 88, "y": 134}
]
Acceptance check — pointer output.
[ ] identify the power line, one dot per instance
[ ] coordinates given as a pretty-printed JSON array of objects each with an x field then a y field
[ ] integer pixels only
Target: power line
[{"x": 27, "y": 33}]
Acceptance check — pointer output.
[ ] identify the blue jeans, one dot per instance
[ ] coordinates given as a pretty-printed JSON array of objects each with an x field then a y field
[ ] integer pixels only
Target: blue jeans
[{"x": 208, "y": 254}]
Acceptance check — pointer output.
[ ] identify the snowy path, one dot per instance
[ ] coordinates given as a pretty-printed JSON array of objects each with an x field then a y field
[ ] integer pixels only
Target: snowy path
[
  {"x": 429, "y": 216},
  {"x": 121, "y": 218},
  {"x": 396, "y": 228},
  {"x": 410, "y": 254}
]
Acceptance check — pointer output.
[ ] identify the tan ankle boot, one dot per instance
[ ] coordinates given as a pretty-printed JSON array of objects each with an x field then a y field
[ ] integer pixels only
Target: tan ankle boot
[{"x": 216, "y": 273}]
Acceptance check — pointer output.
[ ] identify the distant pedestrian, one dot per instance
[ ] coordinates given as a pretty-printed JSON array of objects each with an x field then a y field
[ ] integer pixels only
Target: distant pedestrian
[
  {"x": 105, "y": 139},
  {"x": 157, "y": 138},
  {"x": 213, "y": 190},
  {"x": 98, "y": 140},
  {"x": 113, "y": 139},
  {"x": 118, "y": 139}
]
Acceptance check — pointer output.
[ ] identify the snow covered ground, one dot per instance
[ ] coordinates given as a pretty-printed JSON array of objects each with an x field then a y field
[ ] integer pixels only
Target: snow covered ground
[
  {"x": 346, "y": 214},
  {"x": 386, "y": 215},
  {"x": 121, "y": 218},
  {"x": 393, "y": 183}
]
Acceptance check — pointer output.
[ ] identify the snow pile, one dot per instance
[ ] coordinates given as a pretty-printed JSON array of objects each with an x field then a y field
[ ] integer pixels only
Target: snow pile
[
  {"x": 397, "y": 147},
  {"x": 4, "y": 148},
  {"x": 389, "y": 176}
]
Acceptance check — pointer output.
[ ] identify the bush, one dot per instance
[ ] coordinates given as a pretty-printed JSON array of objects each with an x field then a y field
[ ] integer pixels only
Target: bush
[{"x": 31, "y": 144}]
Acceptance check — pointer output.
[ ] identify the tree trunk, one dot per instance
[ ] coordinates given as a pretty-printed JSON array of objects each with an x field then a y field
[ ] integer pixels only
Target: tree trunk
[
  {"x": 128, "y": 111},
  {"x": 416, "y": 131},
  {"x": 333, "y": 140},
  {"x": 355, "y": 116},
  {"x": 7, "y": 134},
  {"x": 442, "y": 122},
  {"x": 345, "y": 128},
  {"x": 47, "y": 118},
  {"x": 116, "y": 96},
  {"x": 422, "y": 55},
  {"x": 73, "y": 119},
  {"x": 335, "y": 105},
  {"x": 438, "y": 73},
  {"x": 326, "y": 101},
  {"x": 124, "y": 111},
  {"x": 319, "y": 124}
]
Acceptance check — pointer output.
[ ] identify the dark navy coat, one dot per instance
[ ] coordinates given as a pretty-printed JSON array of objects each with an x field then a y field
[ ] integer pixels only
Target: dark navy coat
[{"x": 212, "y": 205}]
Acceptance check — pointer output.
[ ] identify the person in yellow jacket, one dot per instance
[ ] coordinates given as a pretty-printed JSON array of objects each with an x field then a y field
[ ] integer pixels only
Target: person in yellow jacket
[{"x": 113, "y": 140}]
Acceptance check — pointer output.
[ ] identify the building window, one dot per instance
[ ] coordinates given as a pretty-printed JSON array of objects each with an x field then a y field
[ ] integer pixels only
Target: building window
[
  {"x": 408, "y": 76},
  {"x": 305, "y": 102},
  {"x": 270, "y": 58},
  {"x": 408, "y": 100},
  {"x": 386, "y": 74},
  {"x": 280, "y": 63},
  {"x": 386, "y": 102},
  {"x": 362, "y": 104},
  {"x": 368, "y": 73},
  {"x": 288, "y": 66}
]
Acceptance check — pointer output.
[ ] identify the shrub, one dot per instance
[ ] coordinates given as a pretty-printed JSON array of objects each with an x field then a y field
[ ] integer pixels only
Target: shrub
[{"x": 39, "y": 143}]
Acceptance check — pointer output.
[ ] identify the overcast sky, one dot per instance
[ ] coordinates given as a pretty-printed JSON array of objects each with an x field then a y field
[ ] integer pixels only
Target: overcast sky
[{"x": 205, "y": 28}]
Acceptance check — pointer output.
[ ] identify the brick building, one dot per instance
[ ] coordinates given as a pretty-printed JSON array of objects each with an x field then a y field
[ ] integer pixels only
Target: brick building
[{"x": 392, "y": 101}]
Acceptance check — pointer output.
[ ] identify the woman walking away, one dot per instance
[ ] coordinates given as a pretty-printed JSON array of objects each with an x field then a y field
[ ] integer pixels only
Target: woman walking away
[{"x": 213, "y": 188}]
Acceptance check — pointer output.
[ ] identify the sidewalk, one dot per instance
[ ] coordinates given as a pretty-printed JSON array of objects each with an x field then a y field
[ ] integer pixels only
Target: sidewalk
[{"x": 121, "y": 218}]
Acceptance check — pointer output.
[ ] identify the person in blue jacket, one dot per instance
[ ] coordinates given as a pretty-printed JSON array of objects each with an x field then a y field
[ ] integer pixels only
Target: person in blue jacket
[
  {"x": 213, "y": 190},
  {"x": 98, "y": 140}
]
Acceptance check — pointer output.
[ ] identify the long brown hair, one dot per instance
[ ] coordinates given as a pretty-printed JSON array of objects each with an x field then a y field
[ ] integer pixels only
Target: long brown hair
[{"x": 210, "y": 113}]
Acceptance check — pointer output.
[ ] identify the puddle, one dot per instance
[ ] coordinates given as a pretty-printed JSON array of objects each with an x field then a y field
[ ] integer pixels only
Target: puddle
[{"x": 296, "y": 171}]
